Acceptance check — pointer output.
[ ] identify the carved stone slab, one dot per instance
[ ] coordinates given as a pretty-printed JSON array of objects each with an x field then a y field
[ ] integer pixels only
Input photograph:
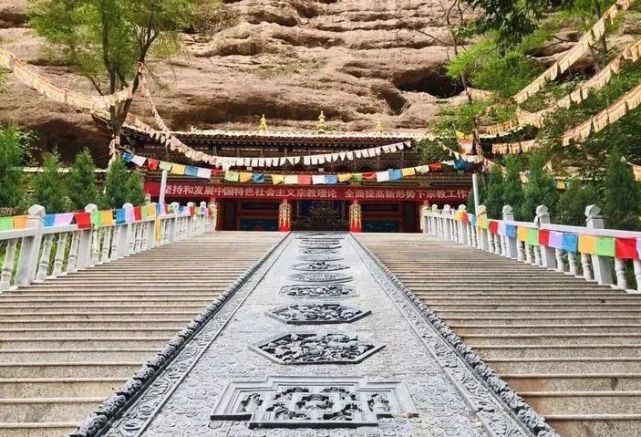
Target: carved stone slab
[
  {"x": 320, "y": 236},
  {"x": 319, "y": 251},
  {"x": 318, "y": 245},
  {"x": 317, "y": 348},
  {"x": 319, "y": 291},
  {"x": 321, "y": 257},
  {"x": 317, "y": 313},
  {"x": 319, "y": 266},
  {"x": 320, "y": 277},
  {"x": 308, "y": 402}
]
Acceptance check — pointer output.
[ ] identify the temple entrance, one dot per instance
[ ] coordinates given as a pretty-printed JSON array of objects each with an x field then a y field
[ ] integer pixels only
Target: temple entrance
[{"x": 311, "y": 215}]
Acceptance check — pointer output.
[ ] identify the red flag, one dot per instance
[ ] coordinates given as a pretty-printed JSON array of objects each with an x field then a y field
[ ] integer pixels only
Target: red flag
[
  {"x": 465, "y": 218},
  {"x": 83, "y": 220},
  {"x": 137, "y": 213},
  {"x": 152, "y": 164},
  {"x": 544, "y": 237},
  {"x": 304, "y": 179},
  {"x": 625, "y": 248},
  {"x": 436, "y": 167},
  {"x": 494, "y": 227},
  {"x": 369, "y": 176},
  {"x": 192, "y": 211}
]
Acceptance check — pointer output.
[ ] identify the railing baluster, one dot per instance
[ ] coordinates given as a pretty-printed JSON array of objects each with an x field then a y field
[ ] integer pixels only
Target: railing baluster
[
  {"x": 6, "y": 277},
  {"x": 61, "y": 248},
  {"x": 43, "y": 265}
]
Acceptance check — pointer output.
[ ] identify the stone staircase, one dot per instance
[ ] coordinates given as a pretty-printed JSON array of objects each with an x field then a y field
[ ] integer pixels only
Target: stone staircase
[
  {"x": 572, "y": 349},
  {"x": 65, "y": 344}
]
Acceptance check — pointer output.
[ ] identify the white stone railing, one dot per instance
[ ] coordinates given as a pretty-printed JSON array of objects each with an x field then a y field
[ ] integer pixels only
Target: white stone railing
[
  {"x": 591, "y": 252},
  {"x": 38, "y": 252}
]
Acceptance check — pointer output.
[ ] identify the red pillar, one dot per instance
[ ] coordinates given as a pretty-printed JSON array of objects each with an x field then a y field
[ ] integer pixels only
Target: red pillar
[
  {"x": 285, "y": 216},
  {"x": 355, "y": 217}
]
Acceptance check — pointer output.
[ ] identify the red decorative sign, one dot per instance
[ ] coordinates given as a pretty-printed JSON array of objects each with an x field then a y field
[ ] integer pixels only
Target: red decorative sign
[{"x": 326, "y": 192}]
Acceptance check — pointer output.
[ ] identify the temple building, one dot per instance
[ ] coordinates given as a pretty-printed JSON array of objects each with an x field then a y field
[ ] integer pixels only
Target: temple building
[{"x": 366, "y": 204}]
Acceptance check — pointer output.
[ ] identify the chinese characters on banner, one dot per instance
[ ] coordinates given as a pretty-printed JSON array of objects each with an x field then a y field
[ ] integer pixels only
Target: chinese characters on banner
[{"x": 190, "y": 191}]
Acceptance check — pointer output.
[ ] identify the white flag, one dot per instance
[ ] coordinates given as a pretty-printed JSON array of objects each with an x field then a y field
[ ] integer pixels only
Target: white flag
[
  {"x": 204, "y": 173},
  {"x": 342, "y": 155},
  {"x": 306, "y": 160},
  {"x": 139, "y": 160},
  {"x": 318, "y": 179},
  {"x": 382, "y": 176}
]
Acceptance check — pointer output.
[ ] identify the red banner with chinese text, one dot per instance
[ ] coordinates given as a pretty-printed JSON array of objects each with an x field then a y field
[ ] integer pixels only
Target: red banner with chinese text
[{"x": 185, "y": 190}]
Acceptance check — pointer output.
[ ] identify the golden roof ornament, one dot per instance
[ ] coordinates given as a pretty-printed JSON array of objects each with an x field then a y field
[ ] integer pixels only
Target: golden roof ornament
[
  {"x": 262, "y": 127},
  {"x": 321, "y": 123}
]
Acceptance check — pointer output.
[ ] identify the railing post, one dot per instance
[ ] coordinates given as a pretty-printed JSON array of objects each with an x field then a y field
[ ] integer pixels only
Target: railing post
[
  {"x": 463, "y": 235},
  {"x": 30, "y": 248},
  {"x": 600, "y": 264},
  {"x": 85, "y": 243},
  {"x": 508, "y": 216},
  {"x": 482, "y": 233},
  {"x": 548, "y": 258},
  {"x": 125, "y": 233}
]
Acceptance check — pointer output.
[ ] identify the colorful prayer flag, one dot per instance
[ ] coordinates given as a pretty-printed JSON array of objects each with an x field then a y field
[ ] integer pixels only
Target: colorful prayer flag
[
  {"x": 587, "y": 244},
  {"x": 165, "y": 165},
  {"x": 522, "y": 233},
  {"x": 626, "y": 248},
  {"x": 605, "y": 246},
  {"x": 357, "y": 177},
  {"x": 291, "y": 180},
  {"x": 278, "y": 179},
  {"x": 318, "y": 179},
  {"x": 555, "y": 240},
  {"x": 177, "y": 169},
  {"x": 152, "y": 164},
  {"x": 231, "y": 176},
  {"x": 204, "y": 173},
  {"x": 395, "y": 175},
  {"x": 369, "y": 176},
  {"x": 63, "y": 219},
  {"x": 19, "y": 222},
  {"x": 48, "y": 220},
  {"x": 107, "y": 218},
  {"x": 331, "y": 179},
  {"x": 493, "y": 227},
  {"x": 244, "y": 177},
  {"x": 191, "y": 171},
  {"x": 422, "y": 169},
  {"x": 305, "y": 179},
  {"x": 83, "y": 220},
  {"x": 96, "y": 219},
  {"x": 533, "y": 237},
  {"x": 570, "y": 242},
  {"x": 6, "y": 223},
  {"x": 345, "y": 177},
  {"x": 258, "y": 178},
  {"x": 139, "y": 160},
  {"x": 411, "y": 171},
  {"x": 382, "y": 176},
  {"x": 121, "y": 216},
  {"x": 544, "y": 237}
]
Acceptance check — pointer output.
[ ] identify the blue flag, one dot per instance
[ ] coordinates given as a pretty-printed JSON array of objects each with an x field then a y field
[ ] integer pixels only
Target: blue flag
[
  {"x": 191, "y": 171},
  {"x": 395, "y": 175},
  {"x": 258, "y": 178}
]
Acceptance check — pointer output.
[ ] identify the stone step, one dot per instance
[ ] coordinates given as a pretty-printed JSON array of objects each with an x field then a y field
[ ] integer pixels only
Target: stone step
[
  {"x": 534, "y": 300},
  {"x": 110, "y": 300},
  {"x": 577, "y": 321},
  {"x": 132, "y": 313},
  {"x": 76, "y": 369},
  {"x": 591, "y": 402},
  {"x": 534, "y": 307},
  {"x": 577, "y": 363},
  {"x": 548, "y": 328},
  {"x": 108, "y": 307},
  {"x": 597, "y": 425},
  {"x": 31, "y": 409},
  {"x": 573, "y": 382},
  {"x": 53, "y": 387},
  {"x": 72, "y": 354},
  {"x": 81, "y": 322},
  {"x": 558, "y": 351},
  {"x": 465, "y": 313},
  {"x": 17, "y": 343},
  {"x": 35, "y": 429},
  {"x": 569, "y": 339},
  {"x": 85, "y": 333}
]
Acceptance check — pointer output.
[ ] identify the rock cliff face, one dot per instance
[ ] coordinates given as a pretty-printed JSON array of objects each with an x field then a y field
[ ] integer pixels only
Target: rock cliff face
[{"x": 359, "y": 61}]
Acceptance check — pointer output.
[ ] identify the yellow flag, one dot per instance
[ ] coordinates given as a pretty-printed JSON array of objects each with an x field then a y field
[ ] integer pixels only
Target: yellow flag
[
  {"x": 107, "y": 218},
  {"x": 411, "y": 171},
  {"x": 587, "y": 244},
  {"x": 278, "y": 179},
  {"x": 344, "y": 177},
  {"x": 245, "y": 177},
  {"x": 178, "y": 169}
]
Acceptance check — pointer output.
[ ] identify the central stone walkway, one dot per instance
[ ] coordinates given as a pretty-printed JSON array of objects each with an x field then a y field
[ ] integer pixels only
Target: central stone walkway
[{"x": 318, "y": 341}]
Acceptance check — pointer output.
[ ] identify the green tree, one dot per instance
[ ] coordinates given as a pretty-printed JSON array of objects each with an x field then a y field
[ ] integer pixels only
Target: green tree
[
  {"x": 49, "y": 188},
  {"x": 494, "y": 196},
  {"x": 82, "y": 181},
  {"x": 512, "y": 185},
  {"x": 105, "y": 40},
  {"x": 621, "y": 194},
  {"x": 572, "y": 203},
  {"x": 540, "y": 189},
  {"x": 135, "y": 192},
  {"x": 116, "y": 193},
  {"x": 13, "y": 154}
]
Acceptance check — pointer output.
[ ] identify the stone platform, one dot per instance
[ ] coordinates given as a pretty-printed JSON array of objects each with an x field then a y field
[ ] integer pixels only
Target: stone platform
[{"x": 307, "y": 347}]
